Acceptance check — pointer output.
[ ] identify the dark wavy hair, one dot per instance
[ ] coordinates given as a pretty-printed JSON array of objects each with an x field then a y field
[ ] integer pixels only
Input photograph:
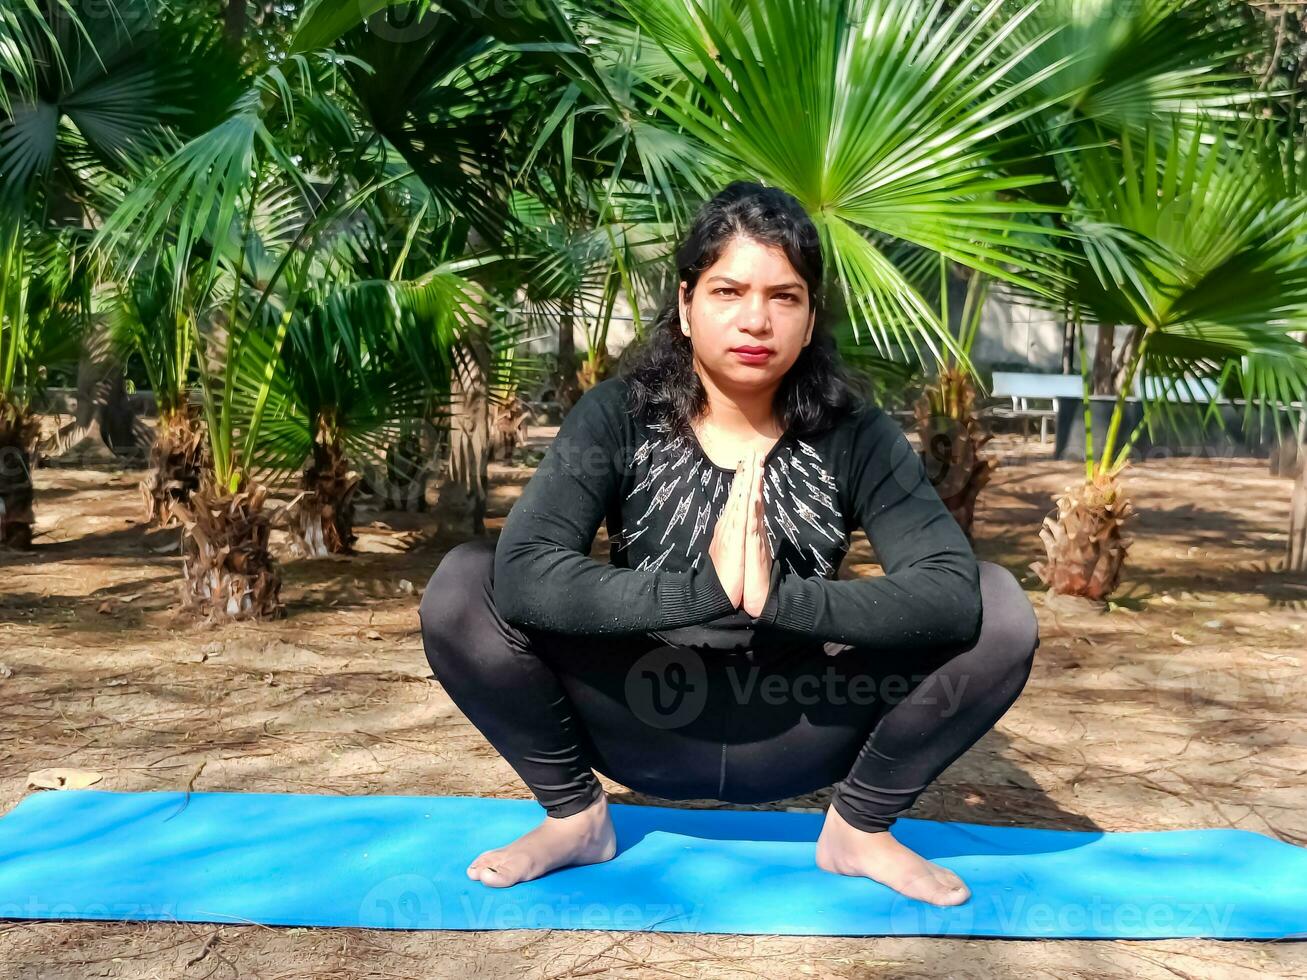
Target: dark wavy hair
[{"x": 659, "y": 367}]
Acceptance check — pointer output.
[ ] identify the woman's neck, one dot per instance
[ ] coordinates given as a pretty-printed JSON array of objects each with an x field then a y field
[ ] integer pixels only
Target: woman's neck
[{"x": 743, "y": 414}]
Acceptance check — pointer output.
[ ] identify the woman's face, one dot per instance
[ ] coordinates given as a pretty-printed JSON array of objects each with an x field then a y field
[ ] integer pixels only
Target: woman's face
[{"x": 751, "y": 298}]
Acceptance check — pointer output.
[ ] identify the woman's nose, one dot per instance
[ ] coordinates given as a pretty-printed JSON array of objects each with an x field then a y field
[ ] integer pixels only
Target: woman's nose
[{"x": 753, "y": 315}]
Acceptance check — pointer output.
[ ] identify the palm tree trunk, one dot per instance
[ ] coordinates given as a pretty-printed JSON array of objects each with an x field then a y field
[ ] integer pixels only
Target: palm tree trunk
[
  {"x": 1068, "y": 344},
  {"x": 508, "y": 428},
  {"x": 176, "y": 460},
  {"x": 18, "y": 433},
  {"x": 1296, "y": 555},
  {"x": 952, "y": 436},
  {"x": 228, "y": 572},
  {"x": 323, "y": 522},
  {"x": 235, "y": 19},
  {"x": 593, "y": 369},
  {"x": 462, "y": 494},
  {"x": 1103, "y": 374},
  {"x": 1083, "y": 540},
  {"x": 1121, "y": 365},
  {"x": 568, "y": 386},
  {"x": 410, "y": 460}
]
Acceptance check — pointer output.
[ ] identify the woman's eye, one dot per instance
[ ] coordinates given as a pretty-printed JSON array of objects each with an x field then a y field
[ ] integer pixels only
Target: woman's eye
[
  {"x": 787, "y": 296},
  {"x": 723, "y": 289}
]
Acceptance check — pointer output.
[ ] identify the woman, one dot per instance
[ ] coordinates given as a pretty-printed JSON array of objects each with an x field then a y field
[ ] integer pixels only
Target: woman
[{"x": 717, "y": 655}]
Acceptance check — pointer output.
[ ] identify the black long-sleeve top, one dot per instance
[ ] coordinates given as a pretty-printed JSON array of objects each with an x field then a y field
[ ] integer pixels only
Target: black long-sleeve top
[{"x": 661, "y": 495}]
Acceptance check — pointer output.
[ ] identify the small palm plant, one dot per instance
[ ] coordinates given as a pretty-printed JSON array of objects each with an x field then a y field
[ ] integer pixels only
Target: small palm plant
[
  {"x": 86, "y": 95},
  {"x": 44, "y": 314},
  {"x": 362, "y": 362},
  {"x": 577, "y": 254},
  {"x": 949, "y": 424},
  {"x": 237, "y": 225},
  {"x": 142, "y": 323},
  {"x": 1199, "y": 243}
]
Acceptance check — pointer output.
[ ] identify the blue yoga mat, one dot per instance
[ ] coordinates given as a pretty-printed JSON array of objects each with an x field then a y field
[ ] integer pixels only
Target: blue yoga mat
[{"x": 398, "y": 862}]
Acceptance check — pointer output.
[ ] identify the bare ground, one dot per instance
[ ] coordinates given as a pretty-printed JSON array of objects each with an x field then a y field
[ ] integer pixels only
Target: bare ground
[{"x": 1181, "y": 707}]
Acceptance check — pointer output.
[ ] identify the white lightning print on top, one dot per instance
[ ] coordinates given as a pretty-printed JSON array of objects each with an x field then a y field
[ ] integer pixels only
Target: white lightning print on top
[{"x": 797, "y": 491}]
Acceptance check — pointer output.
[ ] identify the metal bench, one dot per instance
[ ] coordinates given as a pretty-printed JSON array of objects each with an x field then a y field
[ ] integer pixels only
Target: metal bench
[{"x": 1023, "y": 387}]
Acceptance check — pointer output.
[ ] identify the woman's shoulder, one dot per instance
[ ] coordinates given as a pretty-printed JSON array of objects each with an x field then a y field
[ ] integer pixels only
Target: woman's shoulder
[
  {"x": 865, "y": 432},
  {"x": 608, "y": 397},
  {"x": 612, "y": 390},
  {"x": 857, "y": 417},
  {"x": 601, "y": 414}
]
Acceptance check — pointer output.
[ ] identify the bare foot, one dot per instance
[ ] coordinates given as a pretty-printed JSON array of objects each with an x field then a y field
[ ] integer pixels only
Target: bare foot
[
  {"x": 845, "y": 850},
  {"x": 583, "y": 838}
]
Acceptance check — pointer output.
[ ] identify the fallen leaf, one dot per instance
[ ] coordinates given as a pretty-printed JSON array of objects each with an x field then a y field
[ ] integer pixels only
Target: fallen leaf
[
  {"x": 63, "y": 779},
  {"x": 1180, "y": 639}
]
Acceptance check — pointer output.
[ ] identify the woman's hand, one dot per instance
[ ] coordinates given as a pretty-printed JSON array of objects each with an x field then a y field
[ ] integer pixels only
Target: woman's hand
[
  {"x": 757, "y": 552},
  {"x": 727, "y": 548}
]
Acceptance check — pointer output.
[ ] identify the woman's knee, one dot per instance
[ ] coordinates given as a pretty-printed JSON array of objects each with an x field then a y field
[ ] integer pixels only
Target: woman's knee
[
  {"x": 460, "y": 581},
  {"x": 1009, "y": 629}
]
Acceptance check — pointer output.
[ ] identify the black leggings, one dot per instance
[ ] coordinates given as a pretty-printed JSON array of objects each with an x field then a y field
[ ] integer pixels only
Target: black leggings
[{"x": 781, "y": 719}]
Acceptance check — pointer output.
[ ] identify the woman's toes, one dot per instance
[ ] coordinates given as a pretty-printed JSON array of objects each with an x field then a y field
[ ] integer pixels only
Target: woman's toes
[
  {"x": 483, "y": 862},
  {"x": 497, "y": 878},
  {"x": 942, "y": 887}
]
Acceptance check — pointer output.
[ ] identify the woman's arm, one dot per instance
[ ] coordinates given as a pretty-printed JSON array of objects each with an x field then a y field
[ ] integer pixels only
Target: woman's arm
[
  {"x": 544, "y": 575},
  {"x": 929, "y": 595}
]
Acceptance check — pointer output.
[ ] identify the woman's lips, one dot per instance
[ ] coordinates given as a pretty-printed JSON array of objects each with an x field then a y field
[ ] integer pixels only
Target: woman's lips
[{"x": 755, "y": 355}]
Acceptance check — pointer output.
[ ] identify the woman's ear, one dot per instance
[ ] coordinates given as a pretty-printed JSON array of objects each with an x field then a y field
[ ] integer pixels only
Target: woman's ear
[
  {"x": 684, "y": 318},
  {"x": 812, "y": 320}
]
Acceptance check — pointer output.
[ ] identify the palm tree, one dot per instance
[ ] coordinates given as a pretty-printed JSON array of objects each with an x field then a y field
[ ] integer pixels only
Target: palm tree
[
  {"x": 238, "y": 225},
  {"x": 578, "y": 251},
  {"x": 1201, "y": 247},
  {"x": 44, "y": 312},
  {"x": 144, "y": 324},
  {"x": 89, "y": 95},
  {"x": 446, "y": 98},
  {"x": 360, "y": 362},
  {"x": 949, "y": 423},
  {"x": 1129, "y": 63},
  {"x": 882, "y": 118},
  {"x": 893, "y": 121}
]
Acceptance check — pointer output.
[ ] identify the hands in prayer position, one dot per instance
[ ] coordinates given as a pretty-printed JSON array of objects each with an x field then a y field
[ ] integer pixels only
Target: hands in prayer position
[{"x": 739, "y": 550}]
